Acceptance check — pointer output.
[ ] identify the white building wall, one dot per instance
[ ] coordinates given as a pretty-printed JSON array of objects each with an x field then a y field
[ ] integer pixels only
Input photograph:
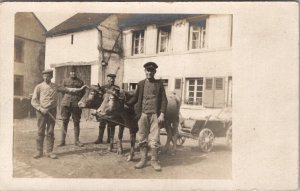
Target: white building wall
[
  {"x": 180, "y": 36},
  {"x": 219, "y": 31},
  {"x": 201, "y": 64},
  {"x": 180, "y": 62},
  {"x": 150, "y": 44},
  {"x": 84, "y": 48}
]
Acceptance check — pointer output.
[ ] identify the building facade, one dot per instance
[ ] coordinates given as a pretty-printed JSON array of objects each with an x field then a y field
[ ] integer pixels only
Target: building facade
[
  {"x": 29, "y": 56},
  {"x": 89, "y": 41},
  {"x": 193, "y": 51},
  {"x": 194, "y": 56}
]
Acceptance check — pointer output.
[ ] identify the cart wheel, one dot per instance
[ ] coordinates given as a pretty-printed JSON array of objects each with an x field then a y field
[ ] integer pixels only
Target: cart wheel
[
  {"x": 229, "y": 137},
  {"x": 180, "y": 140},
  {"x": 206, "y": 139}
]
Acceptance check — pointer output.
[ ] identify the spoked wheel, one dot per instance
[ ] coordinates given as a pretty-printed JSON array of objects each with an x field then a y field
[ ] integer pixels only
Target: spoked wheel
[
  {"x": 180, "y": 140},
  {"x": 206, "y": 139},
  {"x": 229, "y": 137}
]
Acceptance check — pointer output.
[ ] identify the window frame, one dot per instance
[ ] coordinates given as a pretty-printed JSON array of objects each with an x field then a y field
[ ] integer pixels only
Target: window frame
[
  {"x": 195, "y": 91},
  {"x": 168, "y": 37},
  {"x": 21, "y": 54},
  {"x": 21, "y": 85},
  {"x": 202, "y": 36},
  {"x": 141, "y": 40}
]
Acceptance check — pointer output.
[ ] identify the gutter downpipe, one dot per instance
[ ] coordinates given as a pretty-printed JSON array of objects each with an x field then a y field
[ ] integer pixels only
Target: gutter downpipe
[{"x": 100, "y": 56}]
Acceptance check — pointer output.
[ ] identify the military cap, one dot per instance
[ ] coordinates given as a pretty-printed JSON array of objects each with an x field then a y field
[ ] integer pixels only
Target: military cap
[
  {"x": 111, "y": 75},
  {"x": 150, "y": 65},
  {"x": 48, "y": 71}
]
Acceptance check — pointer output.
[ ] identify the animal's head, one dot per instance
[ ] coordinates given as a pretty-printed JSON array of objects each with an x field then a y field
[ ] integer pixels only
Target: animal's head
[
  {"x": 92, "y": 98},
  {"x": 113, "y": 103}
]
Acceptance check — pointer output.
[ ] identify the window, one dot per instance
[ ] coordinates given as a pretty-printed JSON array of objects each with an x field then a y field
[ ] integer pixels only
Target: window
[
  {"x": 194, "y": 91},
  {"x": 19, "y": 50},
  {"x": 132, "y": 86},
  {"x": 164, "y": 37},
  {"x": 138, "y": 42},
  {"x": 165, "y": 82},
  {"x": 18, "y": 85},
  {"x": 177, "y": 84},
  {"x": 198, "y": 34}
]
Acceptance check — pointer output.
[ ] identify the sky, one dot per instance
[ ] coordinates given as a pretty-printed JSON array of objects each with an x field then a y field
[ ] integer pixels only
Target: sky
[{"x": 50, "y": 20}]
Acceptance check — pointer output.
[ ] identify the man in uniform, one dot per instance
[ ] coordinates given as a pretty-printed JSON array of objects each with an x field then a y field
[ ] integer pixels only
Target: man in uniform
[
  {"x": 70, "y": 107},
  {"x": 102, "y": 125},
  {"x": 151, "y": 104},
  {"x": 44, "y": 100}
]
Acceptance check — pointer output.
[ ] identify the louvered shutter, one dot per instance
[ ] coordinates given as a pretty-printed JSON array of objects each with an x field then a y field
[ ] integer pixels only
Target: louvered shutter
[
  {"x": 208, "y": 100},
  {"x": 219, "y": 95}
]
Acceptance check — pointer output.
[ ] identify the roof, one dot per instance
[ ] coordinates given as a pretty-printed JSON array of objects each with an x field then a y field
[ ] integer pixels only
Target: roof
[
  {"x": 38, "y": 20},
  {"x": 78, "y": 22},
  {"x": 132, "y": 20},
  {"x": 86, "y": 21}
]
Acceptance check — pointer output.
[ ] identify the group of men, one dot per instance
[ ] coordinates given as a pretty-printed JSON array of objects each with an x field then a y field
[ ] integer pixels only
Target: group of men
[{"x": 149, "y": 100}]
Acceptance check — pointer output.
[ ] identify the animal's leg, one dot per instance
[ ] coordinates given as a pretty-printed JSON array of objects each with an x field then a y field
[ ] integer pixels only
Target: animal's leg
[
  {"x": 175, "y": 135},
  {"x": 169, "y": 137},
  {"x": 120, "y": 137},
  {"x": 112, "y": 133},
  {"x": 132, "y": 145}
]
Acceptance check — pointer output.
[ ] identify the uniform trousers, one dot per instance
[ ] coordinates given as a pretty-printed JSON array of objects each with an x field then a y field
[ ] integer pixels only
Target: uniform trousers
[{"x": 149, "y": 131}]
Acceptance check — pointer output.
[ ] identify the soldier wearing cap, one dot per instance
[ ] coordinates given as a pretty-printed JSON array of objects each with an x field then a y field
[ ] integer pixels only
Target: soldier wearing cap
[
  {"x": 70, "y": 107},
  {"x": 44, "y": 100},
  {"x": 102, "y": 125},
  {"x": 150, "y": 106}
]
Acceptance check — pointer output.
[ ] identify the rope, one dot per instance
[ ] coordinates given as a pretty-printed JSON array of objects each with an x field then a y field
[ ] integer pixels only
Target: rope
[{"x": 108, "y": 119}]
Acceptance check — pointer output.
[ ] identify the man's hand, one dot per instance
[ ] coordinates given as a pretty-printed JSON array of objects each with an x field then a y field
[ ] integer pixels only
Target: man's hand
[
  {"x": 93, "y": 111},
  {"x": 161, "y": 118},
  {"x": 126, "y": 106},
  {"x": 43, "y": 110}
]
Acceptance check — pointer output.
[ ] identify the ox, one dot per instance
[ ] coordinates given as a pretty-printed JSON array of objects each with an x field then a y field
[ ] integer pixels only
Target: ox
[
  {"x": 113, "y": 107},
  {"x": 92, "y": 100}
]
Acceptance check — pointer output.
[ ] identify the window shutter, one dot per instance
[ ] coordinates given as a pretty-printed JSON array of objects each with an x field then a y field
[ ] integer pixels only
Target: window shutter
[
  {"x": 127, "y": 44},
  {"x": 208, "y": 99},
  {"x": 125, "y": 86},
  {"x": 177, "y": 84},
  {"x": 219, "y": 97}
]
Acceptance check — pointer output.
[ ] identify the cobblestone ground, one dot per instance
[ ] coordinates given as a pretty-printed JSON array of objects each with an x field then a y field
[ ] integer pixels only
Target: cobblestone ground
[{"x": 94, "y": 161}]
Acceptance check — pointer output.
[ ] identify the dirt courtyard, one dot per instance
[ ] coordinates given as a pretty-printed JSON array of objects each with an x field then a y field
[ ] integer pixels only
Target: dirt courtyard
[{"x": 94, "y": 161}]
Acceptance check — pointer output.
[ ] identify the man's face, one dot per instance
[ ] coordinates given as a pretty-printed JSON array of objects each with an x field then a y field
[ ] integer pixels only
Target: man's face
[
  {"x": 73, "y": 74},
  {"x": 47, "y": 78},
  {"x": 150, "y": 73},
  {"x": 111, "y": 80}
]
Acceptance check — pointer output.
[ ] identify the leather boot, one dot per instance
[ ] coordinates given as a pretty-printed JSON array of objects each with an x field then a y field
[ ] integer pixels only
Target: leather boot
[
  {"x": 63, "y": 134},
  {"x": 100, "y": 136},
  {"x": 154, "y": 162},
  {"x": 39, "y": 148},
  {"x": 76, "y": 135},
  {"x": 143, "y": 153},
  {"x": 50, "y": 143}
]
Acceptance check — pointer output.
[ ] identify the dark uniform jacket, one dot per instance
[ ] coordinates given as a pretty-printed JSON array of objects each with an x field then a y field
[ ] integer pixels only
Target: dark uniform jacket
[
  {"x": 72, "y": 99},
  {"x": 109, "y": 87},
  {"x": 138, "y": 96}
]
